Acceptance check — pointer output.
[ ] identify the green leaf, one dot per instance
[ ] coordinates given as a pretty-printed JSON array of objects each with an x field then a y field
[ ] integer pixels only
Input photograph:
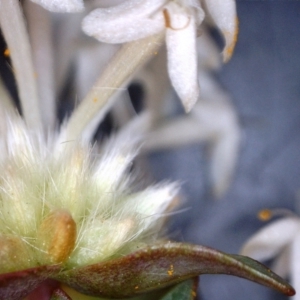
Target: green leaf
[
  {"x": 159, "y": 266},
  {"x": 185, "y": 290}
]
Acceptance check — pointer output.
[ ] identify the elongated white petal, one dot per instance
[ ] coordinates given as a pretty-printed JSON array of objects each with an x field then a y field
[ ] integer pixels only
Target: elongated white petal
[
  {"x": 208, "y": 53},
  {"x": 281, "y": 266},
  {"x": 125, "y": 22},
  {"x": 270, "y": 240},
  {"x": 176, "y": 133},
  {"x": 295, "y": 265},
  {"x": 217, "y": 116},
  {"x": 223, "y": 13},
  {"x": 182, "y": 54},
  {"x": 70, "y": 6}
]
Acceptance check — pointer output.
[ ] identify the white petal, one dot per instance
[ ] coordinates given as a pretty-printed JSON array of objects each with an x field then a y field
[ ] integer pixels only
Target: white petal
[
  {"x": 208, "y": 53},
  {"x": 217, "y": 117},
  {"x": 182, "y": 54},
  {"x": 223, "y": 13},
  {"x": 295, "y": 265},
  {"x": 70, "y": 6},
  {"x": 176, "y": 133},
  {"x": 129, "y": 21},
  {"x": 270, "y": 240},
  {"x": 282, "y": 263}
]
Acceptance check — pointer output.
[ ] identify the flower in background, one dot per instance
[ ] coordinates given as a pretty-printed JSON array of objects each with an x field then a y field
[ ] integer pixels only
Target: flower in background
[
  {"x": 279, "y": 240},
  {"x": 180, "y": 20},
  {"x": 68, "y": 6}
]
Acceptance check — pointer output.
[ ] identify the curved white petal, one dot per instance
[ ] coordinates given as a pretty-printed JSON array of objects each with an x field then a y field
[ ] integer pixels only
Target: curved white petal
[
  {"x": 281, "y": 266},
  {"x": 208, "y": 53},
  {"x": 176, "y": 133},
  {"x": 182, "y": 54},
  {"x": 223, "y": 13},
  {"x": 70, "y": 6},
  {"x": 129, "y": 21},
  {"x": 270, "y": 240}
]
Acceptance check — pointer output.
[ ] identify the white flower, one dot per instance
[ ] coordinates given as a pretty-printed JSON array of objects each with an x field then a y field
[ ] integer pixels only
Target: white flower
[
  {"x": 280, "y": 240},
  {"x": 70, "y": 6},
  {"x": 137, "y": 19}
]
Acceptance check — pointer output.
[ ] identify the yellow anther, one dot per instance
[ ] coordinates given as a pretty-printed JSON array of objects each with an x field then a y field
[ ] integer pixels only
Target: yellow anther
[
  {"x": 56, "y": 236},
  {"x": 265, "y": 214},
  {"x": 6, "y": 52}
]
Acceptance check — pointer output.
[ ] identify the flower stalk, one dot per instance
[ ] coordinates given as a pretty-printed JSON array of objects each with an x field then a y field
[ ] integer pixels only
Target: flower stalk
[
  {"x": 118, "y": 72},
  {"x": 13, "y": 27}
]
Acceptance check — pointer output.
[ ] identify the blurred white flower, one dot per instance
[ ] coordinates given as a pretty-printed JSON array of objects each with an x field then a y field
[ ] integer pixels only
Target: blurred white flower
[
  {"x": 213, "y": 119},
  {"x": 70, "y": 6},
  {"x": 279, "y": 240},
  {"x": 137, "y": 19}
]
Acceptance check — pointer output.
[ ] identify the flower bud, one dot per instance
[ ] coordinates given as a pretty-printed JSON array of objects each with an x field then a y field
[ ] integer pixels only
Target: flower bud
[{"x": 56, "y": 237}]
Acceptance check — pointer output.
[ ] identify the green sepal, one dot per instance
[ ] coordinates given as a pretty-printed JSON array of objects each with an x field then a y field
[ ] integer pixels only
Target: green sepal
[
  {"x": 162, "y": 265},
  {"x": 185, "y": 290}
]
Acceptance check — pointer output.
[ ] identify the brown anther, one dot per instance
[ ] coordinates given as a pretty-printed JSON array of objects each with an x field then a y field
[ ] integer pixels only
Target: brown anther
[
  {"x": 6, "y": 52},
  {"x": 264, "y": 214},
  {"x": 56, "y": 236}
]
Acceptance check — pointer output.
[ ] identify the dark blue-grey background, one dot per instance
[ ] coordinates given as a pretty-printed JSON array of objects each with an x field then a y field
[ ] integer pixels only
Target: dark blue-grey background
[{"x": 263, "y": 78}]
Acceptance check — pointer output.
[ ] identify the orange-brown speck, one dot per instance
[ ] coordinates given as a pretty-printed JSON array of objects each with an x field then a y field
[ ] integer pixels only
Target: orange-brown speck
[
  {"x": 136, "y": 287},
  {"x": 167, "y": 18},
  {"x": 95, "y": 100},
  {"x": 168, "y": 21},
  {"x": 264, "y": 214},
  {"x": 230, "y": 48},
  {"x": 171, "y": 270},
  {"x": 6, "y": 52}
]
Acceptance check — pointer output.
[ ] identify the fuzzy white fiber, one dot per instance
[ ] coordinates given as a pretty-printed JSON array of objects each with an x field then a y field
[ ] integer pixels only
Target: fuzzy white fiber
[{"x": 74, "y": 207}]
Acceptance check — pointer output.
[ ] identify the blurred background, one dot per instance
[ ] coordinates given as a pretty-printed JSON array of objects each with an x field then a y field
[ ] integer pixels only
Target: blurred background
[{"x": 263, "y": 79}]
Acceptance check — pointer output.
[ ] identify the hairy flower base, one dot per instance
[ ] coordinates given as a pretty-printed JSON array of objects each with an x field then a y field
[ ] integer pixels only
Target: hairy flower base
[
  {"x": 149, "y": 269},
  {"x": 77, "y": 206}
]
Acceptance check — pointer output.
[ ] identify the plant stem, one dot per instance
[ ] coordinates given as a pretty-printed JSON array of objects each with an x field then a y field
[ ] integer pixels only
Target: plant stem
[
  {"x": 40, "y": 34},
  {"x": 13, "y": 27},
  {"x": 117, "y": 73}
]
